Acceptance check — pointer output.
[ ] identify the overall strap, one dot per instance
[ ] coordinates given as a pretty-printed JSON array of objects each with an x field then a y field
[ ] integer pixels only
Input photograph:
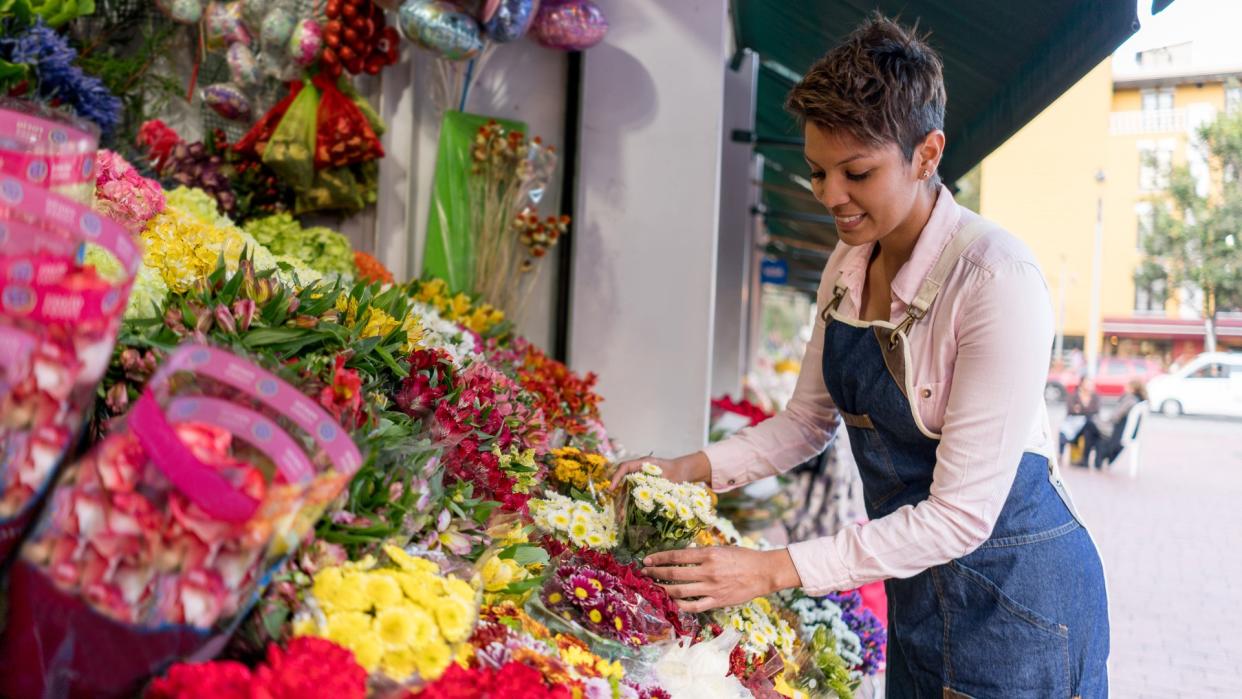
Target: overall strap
[
  {"x": 838, "y": 293},
  {"x": 952, "y": 252}
]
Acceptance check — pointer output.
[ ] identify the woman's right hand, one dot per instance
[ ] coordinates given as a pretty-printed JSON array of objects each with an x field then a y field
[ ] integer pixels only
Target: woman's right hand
[{"x": 689, "y": 468}]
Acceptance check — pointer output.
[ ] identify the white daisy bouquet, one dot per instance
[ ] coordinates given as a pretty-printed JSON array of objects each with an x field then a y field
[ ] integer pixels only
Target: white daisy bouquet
[
  {"x": 578, "y": 522},
  {"x": 661, "y": 514}
]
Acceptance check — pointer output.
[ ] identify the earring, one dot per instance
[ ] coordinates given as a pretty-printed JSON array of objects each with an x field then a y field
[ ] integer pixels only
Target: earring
[{"x": 924, "y": 175}]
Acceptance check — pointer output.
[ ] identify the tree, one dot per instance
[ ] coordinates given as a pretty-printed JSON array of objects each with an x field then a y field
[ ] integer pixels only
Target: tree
[{"x": 1193, "y": 239}]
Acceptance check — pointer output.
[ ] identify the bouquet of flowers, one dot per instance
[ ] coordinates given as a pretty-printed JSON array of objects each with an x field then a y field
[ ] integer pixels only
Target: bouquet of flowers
[
  {"x": 309, "y": 668},
  {"x": 507, "y": 634},
  {"x": 594, "y": 603},
  {"x": 162, "y": 534},
  {"x": 584, "y": 524},
  {"x": 58, "y": 322},
  {"x": 513, "y": 679},
  {"x": 661, "y": 514},
  {"x": 491, "y": 435},
  {"x": 405, "y": 620},
  {"x": 857, "y": 635},
  {"x": 581, "y": 474}
]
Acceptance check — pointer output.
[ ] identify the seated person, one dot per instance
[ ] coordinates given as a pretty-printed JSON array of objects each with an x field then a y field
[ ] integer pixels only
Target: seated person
[{"x": 1109, "y": 447}]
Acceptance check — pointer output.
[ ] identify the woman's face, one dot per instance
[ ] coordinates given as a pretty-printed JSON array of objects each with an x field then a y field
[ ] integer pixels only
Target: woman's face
[{"x": 870, "y": 190}]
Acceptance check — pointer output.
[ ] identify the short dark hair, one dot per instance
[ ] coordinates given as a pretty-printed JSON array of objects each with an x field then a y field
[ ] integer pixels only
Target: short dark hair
[{"x": 883, "y": 84}]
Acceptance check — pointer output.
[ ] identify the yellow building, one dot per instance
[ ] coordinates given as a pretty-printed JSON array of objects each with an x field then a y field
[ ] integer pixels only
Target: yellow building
[{"x": 1104, "y": 147}]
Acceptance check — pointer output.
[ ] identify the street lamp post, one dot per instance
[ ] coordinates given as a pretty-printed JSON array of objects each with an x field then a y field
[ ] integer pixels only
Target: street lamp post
[{"x": 1094, "y": 334}]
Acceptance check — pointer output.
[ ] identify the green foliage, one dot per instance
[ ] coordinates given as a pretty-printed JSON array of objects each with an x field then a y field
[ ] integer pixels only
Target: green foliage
[{"x": 1194, "y": 240}]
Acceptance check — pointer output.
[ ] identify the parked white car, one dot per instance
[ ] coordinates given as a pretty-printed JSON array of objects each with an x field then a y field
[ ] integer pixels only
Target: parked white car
[{"x": 1211, "y": 384}]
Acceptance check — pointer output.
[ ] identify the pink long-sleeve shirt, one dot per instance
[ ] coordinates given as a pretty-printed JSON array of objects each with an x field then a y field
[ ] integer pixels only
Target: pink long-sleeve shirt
[{"x": 979, "y": 364}]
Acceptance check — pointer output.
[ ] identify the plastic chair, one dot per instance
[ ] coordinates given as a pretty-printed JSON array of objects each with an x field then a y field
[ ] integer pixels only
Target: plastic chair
[{"x": 1130, "y": 436}]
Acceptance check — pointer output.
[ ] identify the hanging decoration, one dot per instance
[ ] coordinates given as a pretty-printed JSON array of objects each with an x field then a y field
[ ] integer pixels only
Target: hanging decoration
[{"x": 570, "y": 25}]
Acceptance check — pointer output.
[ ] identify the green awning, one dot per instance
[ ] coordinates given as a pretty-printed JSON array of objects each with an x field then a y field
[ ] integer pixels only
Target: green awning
[{"x": 1004, "y": 62}]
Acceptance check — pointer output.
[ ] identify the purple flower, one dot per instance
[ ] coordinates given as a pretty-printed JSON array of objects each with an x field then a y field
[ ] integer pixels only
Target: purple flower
[
  {"x": 866, "y": 625},
  {"x": 57, "y": 79}
]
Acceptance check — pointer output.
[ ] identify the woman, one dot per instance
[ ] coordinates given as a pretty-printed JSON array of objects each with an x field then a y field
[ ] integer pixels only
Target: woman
[
  {"x": 932, "y": 348},
  {"x": 1110, "y": 446},
  {"x": 1080, "y": 416}
]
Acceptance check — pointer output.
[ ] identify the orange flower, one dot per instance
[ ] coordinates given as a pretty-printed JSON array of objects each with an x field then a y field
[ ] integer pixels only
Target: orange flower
[{"x": 370, "y": 268}]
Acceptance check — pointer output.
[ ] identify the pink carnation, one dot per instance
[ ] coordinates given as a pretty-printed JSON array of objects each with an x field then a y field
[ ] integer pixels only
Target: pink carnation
[{"x": 124, "y": 195}]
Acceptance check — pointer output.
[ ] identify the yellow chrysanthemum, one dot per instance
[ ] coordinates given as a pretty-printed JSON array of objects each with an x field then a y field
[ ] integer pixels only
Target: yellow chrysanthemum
[
  {"x": 399, "y": 664},
  {"x": 351, "y": 595},
  {"x": 455, "y": 618},
  {"x": 345, "y": 627},
  {"x": 381, "y": 589},
  {"x": 405, "y": 561},
  {"x": 326, "y": 583},
  {"x": 459, "y": 589},
  {"x": 431, "y": 659},
  {"x": 403, "y": 626},
  {"x": 367, "y": 651}
]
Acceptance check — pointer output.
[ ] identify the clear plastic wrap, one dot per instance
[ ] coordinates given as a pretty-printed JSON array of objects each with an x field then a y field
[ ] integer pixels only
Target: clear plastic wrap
[
  {"x": 58, "y": 323},
  {"x": 48, "y": 149},
  {"x": 158, "y": 540}
]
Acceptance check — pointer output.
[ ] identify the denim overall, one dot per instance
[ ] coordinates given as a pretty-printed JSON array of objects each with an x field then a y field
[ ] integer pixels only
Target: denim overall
[{"x": 1025, "y": 614}]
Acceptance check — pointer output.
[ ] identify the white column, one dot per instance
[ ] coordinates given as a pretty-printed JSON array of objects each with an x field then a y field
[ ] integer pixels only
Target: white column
[
  {"x": 736, "y": 244},
  {"x": 649, "y": 196}
]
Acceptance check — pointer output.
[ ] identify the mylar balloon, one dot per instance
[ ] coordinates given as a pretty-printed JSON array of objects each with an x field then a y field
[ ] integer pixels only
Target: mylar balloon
[
  {"x": 442, "y": 27},
  {"x": 573, "y": 25},
  {"x": 305, "y": 43},
  {"x": 277, "y": 27},
  {"x": 512, "y": 20},
  {"x": 228, "y": 101},
  {"x": 242, "y": 65},
  {"x": 224, "y": 24},
  {"x": 181, "y": 11}
]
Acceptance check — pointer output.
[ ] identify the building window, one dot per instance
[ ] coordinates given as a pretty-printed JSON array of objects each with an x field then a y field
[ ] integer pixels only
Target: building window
[
  {"x": 1149, "y": 298},
  {"x": 1157, "y": 106},
  {"x": 1155, "y": 164},
  {"x": 1233, "y": 98}
]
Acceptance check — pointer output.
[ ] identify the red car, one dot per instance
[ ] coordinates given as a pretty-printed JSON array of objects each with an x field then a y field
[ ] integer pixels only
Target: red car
[{"x": 1115, "y": 374}]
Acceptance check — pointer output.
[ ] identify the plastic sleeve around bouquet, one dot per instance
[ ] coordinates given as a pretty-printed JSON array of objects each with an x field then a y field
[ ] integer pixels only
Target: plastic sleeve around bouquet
[
  {"x": 158, "y": 540},
  {"x": 596, "y": 606},
  {"x": 48, "y": 149},
  {"x": 58, "y": 323}
]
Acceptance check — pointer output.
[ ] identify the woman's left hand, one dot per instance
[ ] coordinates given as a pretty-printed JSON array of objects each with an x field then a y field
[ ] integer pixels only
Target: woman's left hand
[{"x": 721, "y": 576}]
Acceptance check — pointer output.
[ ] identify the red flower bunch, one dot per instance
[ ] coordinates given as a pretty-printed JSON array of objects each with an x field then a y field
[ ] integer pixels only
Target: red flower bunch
[
  {"x": 431, "y": 378},
  {"x": 633, "y": 579},
  {"x": 511, "y": 680},
  {"x": 568, "y": 400},
  {"x": 742, "y": 407},
  {"x": 310, "y": 667},
  {"x": 343, "y": 397},
  {"x": 371, "y": 269},
  {"x": 157, "y": 140},
  {"x": 474, "y": 414}
]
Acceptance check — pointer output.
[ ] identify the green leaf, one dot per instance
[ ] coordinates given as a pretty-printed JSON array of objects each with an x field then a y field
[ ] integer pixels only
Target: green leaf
[{"x": 483, "y": 510}]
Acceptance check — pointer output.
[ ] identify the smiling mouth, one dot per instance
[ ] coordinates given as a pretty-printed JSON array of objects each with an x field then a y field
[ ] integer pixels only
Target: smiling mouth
[{"x": 847, "y": 223}]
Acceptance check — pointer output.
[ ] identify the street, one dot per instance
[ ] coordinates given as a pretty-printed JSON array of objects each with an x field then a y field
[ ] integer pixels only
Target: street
[{"x": 1170, "y": 543}]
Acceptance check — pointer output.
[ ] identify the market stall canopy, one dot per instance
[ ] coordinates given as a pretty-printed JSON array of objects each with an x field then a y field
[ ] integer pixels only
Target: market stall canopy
[{"x": 1004, "y": 62}]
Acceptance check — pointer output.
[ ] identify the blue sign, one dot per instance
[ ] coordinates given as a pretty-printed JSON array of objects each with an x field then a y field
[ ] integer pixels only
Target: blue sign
[{"x": 774, "y": 270}]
